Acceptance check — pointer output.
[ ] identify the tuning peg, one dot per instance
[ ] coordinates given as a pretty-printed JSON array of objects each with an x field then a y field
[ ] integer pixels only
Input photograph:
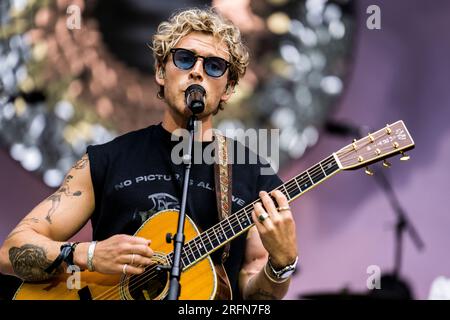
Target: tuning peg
[
  {"x": 388, "y": 130},
  {"x": 354, "y": 144},
  {"x": 368, "y": 171},
  {"x": 404, "y": 156},
  {"x": 386, "y": 164},
  {"x": 371, "y": 138}
]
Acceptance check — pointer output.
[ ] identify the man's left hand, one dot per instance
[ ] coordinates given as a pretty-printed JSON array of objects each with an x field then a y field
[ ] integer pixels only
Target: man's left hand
[{"x": 276, "y": 227}]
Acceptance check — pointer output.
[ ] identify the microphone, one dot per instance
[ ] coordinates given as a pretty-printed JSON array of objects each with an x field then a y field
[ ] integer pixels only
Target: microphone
[{"x": 195, "y": 98}]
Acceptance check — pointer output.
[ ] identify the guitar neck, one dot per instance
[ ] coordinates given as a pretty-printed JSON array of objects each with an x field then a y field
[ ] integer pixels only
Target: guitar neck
[{"x": 240, "y": 221}]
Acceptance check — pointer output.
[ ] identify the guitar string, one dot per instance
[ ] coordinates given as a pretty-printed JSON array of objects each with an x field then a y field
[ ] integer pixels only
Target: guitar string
[
  {"x": 289, "y": 186},
  {"x": 235, "y": 216}
]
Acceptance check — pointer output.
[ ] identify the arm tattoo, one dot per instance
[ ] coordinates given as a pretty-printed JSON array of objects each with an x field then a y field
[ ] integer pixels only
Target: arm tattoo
[
  {"x": 82, "y": 162},
  {"x": 30, "y": 261},
  {"x": 14, "y": 232},
  {"x": 26, "y": 221},
  {"x": 261, "y": 295},
  {"x": 56, "y": 197}
]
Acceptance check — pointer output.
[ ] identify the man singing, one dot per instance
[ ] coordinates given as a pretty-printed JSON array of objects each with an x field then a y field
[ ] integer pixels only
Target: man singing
[{"x": 120, "y": 184}]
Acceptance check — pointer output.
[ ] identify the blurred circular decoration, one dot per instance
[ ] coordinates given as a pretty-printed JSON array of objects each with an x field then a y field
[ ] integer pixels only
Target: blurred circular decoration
[
  {"x": 67, "y": 81},
  {"x": 61, "y": 87}
]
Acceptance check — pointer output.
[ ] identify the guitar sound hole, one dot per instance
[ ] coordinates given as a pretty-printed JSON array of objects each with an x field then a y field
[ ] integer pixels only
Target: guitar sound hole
[{"x": 148, "y": 285}]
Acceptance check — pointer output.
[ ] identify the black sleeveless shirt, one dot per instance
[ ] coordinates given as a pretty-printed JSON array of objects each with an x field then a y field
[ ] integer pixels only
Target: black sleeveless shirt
[{"x": 133, "y": 178}]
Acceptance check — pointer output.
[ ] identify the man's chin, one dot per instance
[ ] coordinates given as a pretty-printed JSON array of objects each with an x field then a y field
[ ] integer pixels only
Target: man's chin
[{"x": 181, "y": 112}]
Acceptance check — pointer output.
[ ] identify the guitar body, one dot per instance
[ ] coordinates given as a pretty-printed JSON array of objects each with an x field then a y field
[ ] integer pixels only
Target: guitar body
[{"x": 198, "y": 282}]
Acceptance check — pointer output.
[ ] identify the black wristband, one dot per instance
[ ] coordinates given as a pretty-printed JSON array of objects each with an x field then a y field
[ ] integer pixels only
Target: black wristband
[{"x": 65, "y": 255}]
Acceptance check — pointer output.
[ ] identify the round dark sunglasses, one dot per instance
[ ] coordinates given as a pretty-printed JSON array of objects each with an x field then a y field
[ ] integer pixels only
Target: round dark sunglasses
[{"x": 186, "y": 59}]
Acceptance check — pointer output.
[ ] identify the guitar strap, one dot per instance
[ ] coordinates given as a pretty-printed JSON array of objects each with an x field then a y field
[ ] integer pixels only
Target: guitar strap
[{"x": 223, "y": 183}]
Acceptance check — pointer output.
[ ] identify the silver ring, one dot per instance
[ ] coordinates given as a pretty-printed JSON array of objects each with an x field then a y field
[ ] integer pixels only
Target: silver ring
[
  {"x": 124, "y": 269},
  {"x": 132, "y": 259},
  {"x": 283, "y": 208},
  {"x": 263, "y": 216}
]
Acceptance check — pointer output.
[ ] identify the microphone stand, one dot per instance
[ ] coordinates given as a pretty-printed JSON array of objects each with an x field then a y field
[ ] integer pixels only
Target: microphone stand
[
  {"x": 178, "y": 239},
  {"x": 392, "y": 285},
  {"x": 402, "y": 224}
]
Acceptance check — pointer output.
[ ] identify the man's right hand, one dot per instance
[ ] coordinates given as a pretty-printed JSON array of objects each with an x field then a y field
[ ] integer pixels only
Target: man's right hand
[{"x": 112, "y": 254}]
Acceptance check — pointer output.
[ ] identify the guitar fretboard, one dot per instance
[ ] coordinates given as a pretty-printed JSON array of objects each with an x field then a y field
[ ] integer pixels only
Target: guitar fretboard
[{"x": 240, "y": 221}]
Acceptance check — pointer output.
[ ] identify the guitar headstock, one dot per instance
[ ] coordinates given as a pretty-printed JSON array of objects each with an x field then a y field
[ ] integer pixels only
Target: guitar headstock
[{"x": 391, "y": 140}]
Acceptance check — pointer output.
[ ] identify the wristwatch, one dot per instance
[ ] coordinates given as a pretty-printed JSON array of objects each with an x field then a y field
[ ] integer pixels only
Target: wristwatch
[{"x": 285, "y": 272}]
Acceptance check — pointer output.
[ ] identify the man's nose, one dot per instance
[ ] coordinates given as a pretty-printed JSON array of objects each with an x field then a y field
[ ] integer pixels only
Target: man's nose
[{"x": 197, "y": 70}]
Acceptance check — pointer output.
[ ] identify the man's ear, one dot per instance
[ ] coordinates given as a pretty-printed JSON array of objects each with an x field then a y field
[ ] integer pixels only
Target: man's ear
[
  {"x": 229, "y": 90},
  {"x": 160, "y": 75}
]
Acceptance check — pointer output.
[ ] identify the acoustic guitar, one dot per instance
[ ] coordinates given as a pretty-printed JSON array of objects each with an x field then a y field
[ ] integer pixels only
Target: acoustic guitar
[{"x": 201, "y": 279}]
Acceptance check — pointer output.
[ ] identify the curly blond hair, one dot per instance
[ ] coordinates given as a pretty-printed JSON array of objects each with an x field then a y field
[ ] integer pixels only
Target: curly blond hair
[{"x": 209, "y": 21}]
